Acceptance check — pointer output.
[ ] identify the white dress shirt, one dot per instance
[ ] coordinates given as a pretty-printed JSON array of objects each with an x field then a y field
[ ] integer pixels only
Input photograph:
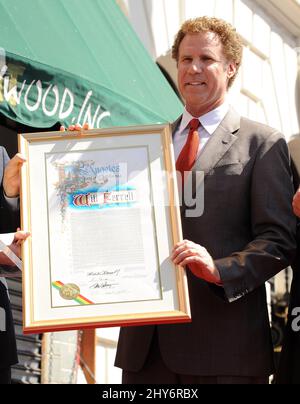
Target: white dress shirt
[{"x": 209, "y": 123}]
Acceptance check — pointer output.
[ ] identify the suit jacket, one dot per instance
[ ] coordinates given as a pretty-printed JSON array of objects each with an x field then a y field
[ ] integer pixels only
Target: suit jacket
[
  {"x": 8, "y": 350},
  {"x": 249, "y": 229},
  {"x": 289, "y": 365}
]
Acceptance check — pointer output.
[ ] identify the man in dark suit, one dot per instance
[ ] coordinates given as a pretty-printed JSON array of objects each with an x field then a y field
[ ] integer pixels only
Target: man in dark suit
[
  {"x": 244, "y": 237},
  {"x": 289, "y": 366},
  {"x": 9, "y": 190}
]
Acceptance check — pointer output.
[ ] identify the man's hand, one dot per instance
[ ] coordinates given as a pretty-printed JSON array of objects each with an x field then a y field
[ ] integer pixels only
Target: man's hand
[
  {"x": 296, "y": 203},
  {"x": 12, "y": 176},
  {"x": 198, "y": 260},
  {"x": 76, "y": 127}
]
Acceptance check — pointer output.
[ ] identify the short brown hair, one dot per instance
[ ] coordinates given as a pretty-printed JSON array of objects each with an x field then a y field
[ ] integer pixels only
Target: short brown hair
[{"x": 230, "y": 39}]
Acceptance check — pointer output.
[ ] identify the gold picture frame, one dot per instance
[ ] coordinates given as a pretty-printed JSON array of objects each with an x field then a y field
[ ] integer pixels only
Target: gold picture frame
[{"x": 103, "y": 210}]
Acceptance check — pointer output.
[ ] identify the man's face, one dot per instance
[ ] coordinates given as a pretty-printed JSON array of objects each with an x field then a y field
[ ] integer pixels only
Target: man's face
[{"x": 203, "y": 72}]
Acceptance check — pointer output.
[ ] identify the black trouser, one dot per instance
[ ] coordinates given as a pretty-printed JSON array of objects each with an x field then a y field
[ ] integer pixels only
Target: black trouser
[
  {"x": 156, "y": 372},
  {"x": 8, "y": 349},
  {"x": 5, "y": 376}
]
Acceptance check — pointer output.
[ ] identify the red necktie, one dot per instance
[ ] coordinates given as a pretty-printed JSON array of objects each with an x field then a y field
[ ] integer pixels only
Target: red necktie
[
  {"x": 186, "y": 161},
  {"x": 188, "y": 154}
]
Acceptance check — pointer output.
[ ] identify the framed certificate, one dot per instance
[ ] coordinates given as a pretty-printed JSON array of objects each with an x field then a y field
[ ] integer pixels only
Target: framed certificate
[{"x": 103, "y": 212}]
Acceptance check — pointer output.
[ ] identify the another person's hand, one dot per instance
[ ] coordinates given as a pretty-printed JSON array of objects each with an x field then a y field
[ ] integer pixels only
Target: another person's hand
[
  {"x": 15, "y": 247},
  {"x": 12, "y": 176},
  {"x": 296, "y": 203},
  {"x": 198, "y": 260},
  {"x": 77, "y": 127},
  {"x": 20, "y": 237}
]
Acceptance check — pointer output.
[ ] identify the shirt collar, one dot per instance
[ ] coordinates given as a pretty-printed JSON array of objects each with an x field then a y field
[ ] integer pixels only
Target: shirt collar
[{"x": 209, "y": 121}]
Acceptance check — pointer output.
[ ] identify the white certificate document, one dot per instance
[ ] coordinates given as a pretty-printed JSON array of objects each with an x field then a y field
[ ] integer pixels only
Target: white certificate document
[{"x": 99, "y": 203}]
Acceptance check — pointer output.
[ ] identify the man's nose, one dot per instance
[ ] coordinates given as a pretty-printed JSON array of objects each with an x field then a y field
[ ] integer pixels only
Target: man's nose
[{"x": 196, "y": 66}]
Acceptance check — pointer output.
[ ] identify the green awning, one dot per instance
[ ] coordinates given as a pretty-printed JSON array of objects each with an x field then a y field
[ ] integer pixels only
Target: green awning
[{"x": 78, "y": 61}]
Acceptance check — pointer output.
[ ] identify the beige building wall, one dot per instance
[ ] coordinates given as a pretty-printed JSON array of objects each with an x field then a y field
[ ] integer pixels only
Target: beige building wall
[
  {"x": 266, "y": 87},
  {"x": 267, "y": 90}
]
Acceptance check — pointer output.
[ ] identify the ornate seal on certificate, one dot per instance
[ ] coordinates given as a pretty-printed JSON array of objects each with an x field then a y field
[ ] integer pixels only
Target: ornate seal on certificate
[{"x": 69, "y": 291}]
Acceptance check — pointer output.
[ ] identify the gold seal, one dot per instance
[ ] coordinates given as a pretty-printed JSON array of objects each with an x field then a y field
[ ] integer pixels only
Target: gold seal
[{"x": 69, "y": 291}]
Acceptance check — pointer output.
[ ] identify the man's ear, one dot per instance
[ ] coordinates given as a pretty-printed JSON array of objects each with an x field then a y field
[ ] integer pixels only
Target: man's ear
[{"x": 231, "y": 70}]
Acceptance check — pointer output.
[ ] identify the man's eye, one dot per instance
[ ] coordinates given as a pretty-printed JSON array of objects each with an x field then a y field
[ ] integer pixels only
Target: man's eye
[{"x": 187, "y": 59}]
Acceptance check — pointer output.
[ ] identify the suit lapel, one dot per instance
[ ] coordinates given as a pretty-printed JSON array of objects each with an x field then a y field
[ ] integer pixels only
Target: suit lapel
[
  {"x": 175, "y": 125},
  {"x": 221, "y": 141}
]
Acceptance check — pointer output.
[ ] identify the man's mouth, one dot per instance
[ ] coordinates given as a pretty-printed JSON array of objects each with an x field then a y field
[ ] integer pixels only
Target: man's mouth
[{"x": 196, "y": 83}]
